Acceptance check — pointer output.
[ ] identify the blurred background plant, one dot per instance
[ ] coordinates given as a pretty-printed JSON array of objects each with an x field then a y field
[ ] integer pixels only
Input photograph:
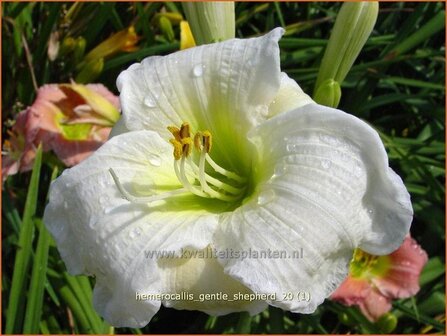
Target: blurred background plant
[{"x": 397, "y": 84}]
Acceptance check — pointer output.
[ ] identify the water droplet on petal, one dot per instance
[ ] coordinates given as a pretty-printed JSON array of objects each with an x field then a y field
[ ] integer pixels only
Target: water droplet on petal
[
  {"x": 104, "y": 200},
  {"x": 155, "y": 160},
  {"x": 291, "y": 147},
  {"x": 108, "y": 210},
  {"x": 197, "y": 71},
  {"x": 134, "y": 233},
  {"x": 325, "y": 164},
  {"x": 370, "y": 211},
  {"x": 149, "y": 101},
  {"x": 92, "y": 221},
  {"x": 358, "y": 171},
  {"x": 266, "y": 196},
  {"x": 280, "y": 169}
]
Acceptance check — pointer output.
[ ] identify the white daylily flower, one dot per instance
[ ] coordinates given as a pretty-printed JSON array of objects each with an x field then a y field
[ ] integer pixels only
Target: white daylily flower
[{"x": 281, "y": 173}]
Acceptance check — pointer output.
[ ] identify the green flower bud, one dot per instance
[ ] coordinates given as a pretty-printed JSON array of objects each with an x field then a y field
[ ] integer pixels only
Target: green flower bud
[
  {"x": 387, "y": 323},
  {"x": 211, "y": 21},
  {"x": 79, "y": 50},
  {"x": 353, "y": 25},
  {"x": 346, "y": 319},
  {"x": 90, "y": 71},
  {"x": 166, "y": 28},
  {"x": 67, "y": 46},
  {"x": 328, "y": 93}
]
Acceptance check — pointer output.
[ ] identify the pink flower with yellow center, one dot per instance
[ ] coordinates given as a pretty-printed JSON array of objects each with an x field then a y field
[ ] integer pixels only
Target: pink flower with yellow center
[
  {"x": 374, "y": 281},
  {"x": 72, "y": 120}
]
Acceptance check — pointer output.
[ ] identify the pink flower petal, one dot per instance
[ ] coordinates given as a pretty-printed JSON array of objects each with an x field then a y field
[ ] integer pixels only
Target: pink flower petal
[
  {"x": 21, "y": 155},
  {"x": 352, "y": 291},
  {"x": 375, "y": 305},
  {"x": 71, "y": 152},
  {"x": 402, "y": 280}
]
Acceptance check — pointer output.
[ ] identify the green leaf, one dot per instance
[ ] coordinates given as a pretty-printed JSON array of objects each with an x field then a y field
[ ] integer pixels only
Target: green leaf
[
  {"x": 21, "y": 264},
  {"x": 38, "y": 280},
  {"x": 432, "y": 270},
  {"x": 37, "y": 286}
]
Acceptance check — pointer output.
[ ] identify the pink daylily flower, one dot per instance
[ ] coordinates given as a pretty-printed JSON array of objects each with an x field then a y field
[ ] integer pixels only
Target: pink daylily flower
[
  {"x": 374, "y": 281},
  {"x": 17, "y": 154},
  {"x": 72, "y": 120}
]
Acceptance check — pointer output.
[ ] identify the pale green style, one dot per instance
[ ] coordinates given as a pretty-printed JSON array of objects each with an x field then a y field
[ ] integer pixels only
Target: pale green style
[{"x": 282, "y": 173}]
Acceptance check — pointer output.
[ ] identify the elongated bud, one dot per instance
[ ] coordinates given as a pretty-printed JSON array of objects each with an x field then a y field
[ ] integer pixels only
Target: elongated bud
[
  {"x": 79, "y": 49},
  {"x": 328, "y": 93},
  {"x": 174, "y": 18},
  {"x": 210, "y": 21},
  {"x": 124, "y": 40},
  {"x": 353, "y": 25},
  {"x": 166, "y": 28},
  {"x": 90, "y": 71}
]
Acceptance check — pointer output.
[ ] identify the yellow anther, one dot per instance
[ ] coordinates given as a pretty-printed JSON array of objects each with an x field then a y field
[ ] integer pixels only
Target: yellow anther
[
  {"x": 178, "y": 148},
  {"x": 198, "y": 141},
  {"x": 187, "y": 146},
  {"x": 183, "y": 142},
  {"x": 207, "y": 141},
  {"x": 185, "y": 130},
  {"x": 175, "y": 132}
]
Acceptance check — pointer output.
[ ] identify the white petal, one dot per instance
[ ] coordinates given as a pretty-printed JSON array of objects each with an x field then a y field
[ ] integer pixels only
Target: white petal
[
  {"x": 222, "y": 87},
  {"x": 346, "y": 149},
  {"x": 290, "y": 96},
  {"x": 324, "y": 185},
  {"x": 98, "y": 232},
  {"x": 212, "y": 291},
  {"x": 118, "y": 128}
]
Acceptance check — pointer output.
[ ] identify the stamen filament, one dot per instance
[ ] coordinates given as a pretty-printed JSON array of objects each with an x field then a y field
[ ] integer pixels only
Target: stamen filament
[
  {"x": 223, "y": 171},
  {"x": 184, "y": 180},
  {"x": 143, "y": 199},
  {"x": 205, "y": 187},
  {"x": 213, "y": 181}
]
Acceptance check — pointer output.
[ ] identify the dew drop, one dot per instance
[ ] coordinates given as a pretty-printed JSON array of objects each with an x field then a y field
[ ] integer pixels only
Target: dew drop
[
  {"x": 155, "y": 160},
  {"x": 358, "y": 171},
  {"x": 149, "y": 101},
  {"x": 291, "y": 147},
  {"x": 197, "y": 71},
  {"x": 104, "y": 200},
  {"x": 92, "y": 221},
  {"x": 326, "y": 164},
  {"x": 108, "y": 210},
  {"x": 370, "y": 211},
  {"x": 266, "y": 196},
  {"x": 280, "y": 169},
  {"x": 134, "y": 233}
]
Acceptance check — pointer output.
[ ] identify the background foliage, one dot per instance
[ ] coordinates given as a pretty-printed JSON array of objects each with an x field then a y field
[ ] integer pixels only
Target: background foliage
[{"x": 397, "y": 85}]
